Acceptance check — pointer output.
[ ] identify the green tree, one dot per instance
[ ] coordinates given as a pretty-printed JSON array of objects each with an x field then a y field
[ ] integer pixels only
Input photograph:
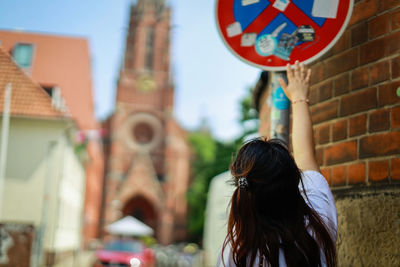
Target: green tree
[{"x": 210, "y": 158}]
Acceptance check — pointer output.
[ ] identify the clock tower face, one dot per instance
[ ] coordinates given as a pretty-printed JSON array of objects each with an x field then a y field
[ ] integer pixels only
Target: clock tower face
[{"x": 146, "y": 83}]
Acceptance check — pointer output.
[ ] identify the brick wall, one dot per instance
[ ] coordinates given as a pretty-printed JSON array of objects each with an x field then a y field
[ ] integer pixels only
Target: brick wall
[
  {"x": 354, "y": 102},
  {"x": 355, "y": 105}
]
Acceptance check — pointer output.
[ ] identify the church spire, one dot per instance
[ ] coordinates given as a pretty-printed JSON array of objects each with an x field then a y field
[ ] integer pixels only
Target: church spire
[
  {"x": 157, "y": 3},
  {"x": 147, "y": 45}
]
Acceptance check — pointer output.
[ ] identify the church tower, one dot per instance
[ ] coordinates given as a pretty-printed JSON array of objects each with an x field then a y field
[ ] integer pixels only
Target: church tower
[{"x": 147, "y": 154}]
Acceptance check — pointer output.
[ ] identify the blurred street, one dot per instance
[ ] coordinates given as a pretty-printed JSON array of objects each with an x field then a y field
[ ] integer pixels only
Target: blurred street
[
  {"x": 81, "y": 259},
  {"x": 169, "y": 256}
]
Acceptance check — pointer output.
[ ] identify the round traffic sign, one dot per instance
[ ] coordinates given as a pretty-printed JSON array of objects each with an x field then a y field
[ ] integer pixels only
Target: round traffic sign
[{"x": 271, "y": 33}]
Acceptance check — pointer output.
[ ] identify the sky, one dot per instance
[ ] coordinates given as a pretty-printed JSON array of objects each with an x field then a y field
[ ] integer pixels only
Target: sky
[{"x": 209, "y": 80}]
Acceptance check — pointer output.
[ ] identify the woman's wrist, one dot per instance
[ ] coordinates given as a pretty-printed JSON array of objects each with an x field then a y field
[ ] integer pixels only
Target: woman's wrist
[{"x": 300, "y": 100}]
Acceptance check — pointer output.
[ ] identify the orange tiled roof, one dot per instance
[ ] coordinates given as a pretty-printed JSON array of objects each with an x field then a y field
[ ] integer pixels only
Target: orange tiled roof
[
  {"x": 27, "y": 97},
  {"x": 61, "y": 61}
]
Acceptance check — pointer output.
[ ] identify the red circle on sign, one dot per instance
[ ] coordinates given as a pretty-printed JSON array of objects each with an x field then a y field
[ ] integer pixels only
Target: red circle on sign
[{"x": 262, "y": 43}]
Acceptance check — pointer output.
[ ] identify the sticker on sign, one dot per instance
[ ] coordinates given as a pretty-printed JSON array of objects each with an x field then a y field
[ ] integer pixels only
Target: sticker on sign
[
  {"x": 325, "y": 8},
  {"x": 234, "y": 29},
  {"x": 281, "y": 4},
  {"x": 248, "y": 39},
  {"x": 249, "y": 2}
]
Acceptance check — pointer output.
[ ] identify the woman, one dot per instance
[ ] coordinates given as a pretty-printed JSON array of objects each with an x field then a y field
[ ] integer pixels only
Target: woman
[{"x": 282, "y": 211}]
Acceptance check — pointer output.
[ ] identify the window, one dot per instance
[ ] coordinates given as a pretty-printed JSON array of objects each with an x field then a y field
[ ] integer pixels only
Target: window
[
  {"x": 149, "y": 48},
  {"x": 22, "y": 54},
  {"x": 143, "y": 133},
  {"x": 49, "y": 90},
  {"x": 57, "y": 101}
]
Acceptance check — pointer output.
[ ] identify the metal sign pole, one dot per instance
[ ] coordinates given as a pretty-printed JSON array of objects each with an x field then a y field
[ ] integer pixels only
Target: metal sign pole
[
  {"x": 45, "y": 206},
  {"x": 4, "y": 142},
  {"x": 280, "y": 109}
]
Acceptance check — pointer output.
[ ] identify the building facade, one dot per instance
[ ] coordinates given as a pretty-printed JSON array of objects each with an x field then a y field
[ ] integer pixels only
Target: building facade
[
  {"x": 147, "y": 154},
  {"x": 61, "y": 65},
  {"x": 355, "y": 106},
  {"x": 44, "y": 183}
]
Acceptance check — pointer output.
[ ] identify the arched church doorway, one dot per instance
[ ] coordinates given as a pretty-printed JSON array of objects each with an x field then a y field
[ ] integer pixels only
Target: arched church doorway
[{"x": 143, "y": 210}]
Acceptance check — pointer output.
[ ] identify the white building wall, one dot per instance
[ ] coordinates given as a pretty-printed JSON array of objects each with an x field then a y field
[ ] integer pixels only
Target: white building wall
[
  {"x": 71, "y": 200},
  {"x": 41, "y": 159},
  {"x": 216, "y": 218}
]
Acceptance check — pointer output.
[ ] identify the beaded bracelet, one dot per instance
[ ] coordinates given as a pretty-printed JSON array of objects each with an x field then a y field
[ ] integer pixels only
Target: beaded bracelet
[{"x": 301, "y": 100}]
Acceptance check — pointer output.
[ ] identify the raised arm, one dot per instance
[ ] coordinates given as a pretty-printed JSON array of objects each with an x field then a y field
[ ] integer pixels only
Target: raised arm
[{"x": 297, "y": 91}]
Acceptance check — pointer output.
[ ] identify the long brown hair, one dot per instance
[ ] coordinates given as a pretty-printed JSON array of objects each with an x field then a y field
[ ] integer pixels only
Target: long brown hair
[{"x": 270, "y": 213}]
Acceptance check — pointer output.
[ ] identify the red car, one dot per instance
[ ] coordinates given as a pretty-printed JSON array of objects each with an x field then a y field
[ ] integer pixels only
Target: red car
[{"x": 125, "y": 253}]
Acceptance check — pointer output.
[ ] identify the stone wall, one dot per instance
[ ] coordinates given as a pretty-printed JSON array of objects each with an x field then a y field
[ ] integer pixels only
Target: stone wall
[{"x": 368, "y": 226}]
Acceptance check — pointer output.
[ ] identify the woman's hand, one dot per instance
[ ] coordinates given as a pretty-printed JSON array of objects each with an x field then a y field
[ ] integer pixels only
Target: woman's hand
[
  {"x": 298, "y": 85},
  {"x": 302, "y": 133}
]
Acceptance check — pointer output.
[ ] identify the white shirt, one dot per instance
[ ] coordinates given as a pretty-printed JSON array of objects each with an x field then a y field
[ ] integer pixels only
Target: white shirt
[{"x": 320, "y": 199}]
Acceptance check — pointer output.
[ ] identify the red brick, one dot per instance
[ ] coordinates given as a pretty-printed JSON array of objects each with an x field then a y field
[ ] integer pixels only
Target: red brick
[
  {"x": 324, "y": 111},
  {"x": 359, "y": 78},
  {"x": 358, "y": 125},
  {"x": 395, "y": 67},
  {"x": 383, "y": 144},
  {"x": 317, "y": 71},
  {"x": 395, "y": 16},
  {"x": 380, "y": 48},
  {"x": 345, "y": 61},
  {"x": 341, "y": 85},
  {"x": 378, "y": 170},
  {"x": 387, "y": 94},
  {"x": 387, "y": 4},
  {"x": 319, "y": 152},
  {"x": 379, "y": 120},
  {"x": 379, "y": 72},
  {"x": 342, "y": 44},
  {"x": 392, "y": 44},
  {"x": 395, "y": 169},
  {"x": 326, "y": 172},
  {"x": 339, "y": 153},
  {"x": 359, "y": 101},
  {"x": 363, "y": 10},
  {"x": 359, "y": 34},
  {"x": 378, "y": 26},
  {"x": 339, "y": 175},
  {"x": 356, "y": 173},
  {"x": 315, "y": 134},
  {"x": 324, "y": 134},
  {"x": 395, "y": 120},
  {"x": 325, "y": 91},
  {"x": 339, "y": 130},
  {"x": 372, "y": 51},
  {"x": 313, "y": 95},
  {"x": 326, "y": 55}
]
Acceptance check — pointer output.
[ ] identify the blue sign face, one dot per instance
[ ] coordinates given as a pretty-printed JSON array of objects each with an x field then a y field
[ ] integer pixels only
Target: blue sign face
[{"x": 279, "y": 99}]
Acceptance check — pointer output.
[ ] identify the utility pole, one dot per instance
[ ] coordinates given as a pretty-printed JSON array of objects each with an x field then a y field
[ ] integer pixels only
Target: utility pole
[
  {"x": 280, "y": 109},
  {"x": 4, "y": 142},
  {"x": 45, "y": 206}
]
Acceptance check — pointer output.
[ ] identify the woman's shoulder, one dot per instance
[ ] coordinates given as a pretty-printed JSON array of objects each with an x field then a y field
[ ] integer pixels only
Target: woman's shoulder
[
  {"x": 319, "y": 197},
  {"x": 314, "y": 182}
]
